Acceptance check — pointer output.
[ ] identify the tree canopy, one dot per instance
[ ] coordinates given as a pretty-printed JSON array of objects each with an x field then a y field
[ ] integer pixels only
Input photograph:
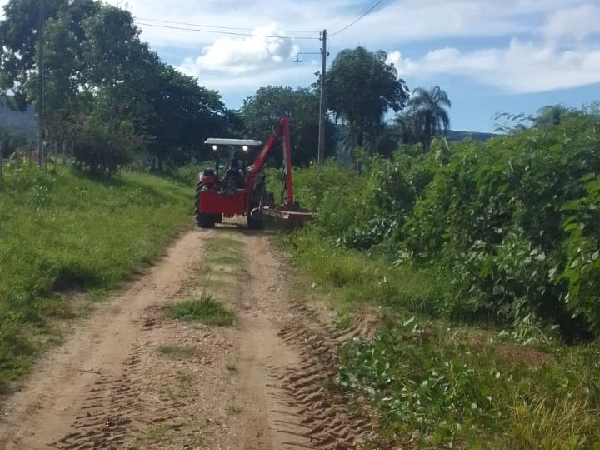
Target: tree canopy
[
  {"x": 426, "y": 115},
  {"x": 361, "y": 87},
  {"x": 262, "y": 110},
  {"x": 101, "y": 80}
]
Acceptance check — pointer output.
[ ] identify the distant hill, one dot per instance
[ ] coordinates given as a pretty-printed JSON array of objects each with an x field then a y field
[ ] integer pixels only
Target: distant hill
[
  {"x": 18, "y": 123},
  {"x": 454, "y": 135}
]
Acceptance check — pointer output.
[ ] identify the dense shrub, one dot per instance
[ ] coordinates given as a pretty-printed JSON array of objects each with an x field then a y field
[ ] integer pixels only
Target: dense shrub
[
  {"x": 513, "y": 220},
  {"x": 101, "y": 148}
]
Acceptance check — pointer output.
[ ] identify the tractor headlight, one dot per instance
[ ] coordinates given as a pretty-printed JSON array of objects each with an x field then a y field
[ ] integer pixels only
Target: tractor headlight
[
  {"x": 245, "y": 148},
  {"x": 214, "y": 147}
]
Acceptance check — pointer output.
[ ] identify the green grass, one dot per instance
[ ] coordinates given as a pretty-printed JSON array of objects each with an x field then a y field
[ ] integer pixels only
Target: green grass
[
  {"x": 233, "y": 409},
  {"x": 426, "y": 379},
  {"x": 204, "y": 309},
  {"x": 64, "y": 232},
  {"x": 181, "y": 386},
  {"x": 359, "y": 279},
  {"x": 179, "y": 351},
  {"x": 225, "y": 244},
  {"x": 226, "y": 260},
  {"x": 445, "y": 391}
]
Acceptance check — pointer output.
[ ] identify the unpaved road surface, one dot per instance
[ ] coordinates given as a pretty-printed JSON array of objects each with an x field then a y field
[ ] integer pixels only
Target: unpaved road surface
[{"x": 129, "y": 378}]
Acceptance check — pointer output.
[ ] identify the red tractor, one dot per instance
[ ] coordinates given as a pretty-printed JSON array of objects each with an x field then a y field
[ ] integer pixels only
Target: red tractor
[{"x": 242, "y": 191}]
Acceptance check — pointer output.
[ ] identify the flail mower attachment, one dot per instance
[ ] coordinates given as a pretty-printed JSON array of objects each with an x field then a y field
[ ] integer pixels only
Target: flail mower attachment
[{"x": 291, "y": 213}]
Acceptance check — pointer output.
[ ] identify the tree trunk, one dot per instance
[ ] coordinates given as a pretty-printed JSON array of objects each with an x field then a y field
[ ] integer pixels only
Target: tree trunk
[{"x": 427, "y": 134}]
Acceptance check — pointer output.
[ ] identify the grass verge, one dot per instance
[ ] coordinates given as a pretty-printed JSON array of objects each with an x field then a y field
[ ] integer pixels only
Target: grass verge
[
  {"x": 61, "y": 232},
  {"x": 435, "y": 384},
  {"x": 358, "y": 279}
]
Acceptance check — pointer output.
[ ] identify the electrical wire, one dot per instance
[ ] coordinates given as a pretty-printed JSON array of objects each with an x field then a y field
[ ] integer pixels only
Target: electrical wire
[
  {"x": 226, "y": 32},
  {"x": 195, "y": 25},
  {"x": 358, "y": 18}
]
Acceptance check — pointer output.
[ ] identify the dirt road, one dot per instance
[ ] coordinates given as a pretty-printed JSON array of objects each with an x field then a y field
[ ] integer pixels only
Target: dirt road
[{"x": 129, "y": 378}]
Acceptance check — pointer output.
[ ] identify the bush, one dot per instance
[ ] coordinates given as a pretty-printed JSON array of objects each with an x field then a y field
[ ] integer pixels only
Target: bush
[
  {"x": 103, "y": 148},
  {"x": 427, "y": 383},
  {"x": 513, "y": 221}
]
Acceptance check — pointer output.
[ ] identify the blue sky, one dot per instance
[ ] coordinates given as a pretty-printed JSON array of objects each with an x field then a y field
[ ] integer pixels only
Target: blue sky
[{"x": 490, "y": 56}]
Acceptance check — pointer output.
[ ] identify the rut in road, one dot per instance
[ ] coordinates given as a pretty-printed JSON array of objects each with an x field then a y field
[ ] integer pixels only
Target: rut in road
[{"x": 129, "y": 378}]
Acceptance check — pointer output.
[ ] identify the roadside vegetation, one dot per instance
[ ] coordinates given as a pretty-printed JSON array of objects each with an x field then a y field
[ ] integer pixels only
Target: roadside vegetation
[
  {"x": 483, "y": 257},
  {"x": 62, "y": 233}
]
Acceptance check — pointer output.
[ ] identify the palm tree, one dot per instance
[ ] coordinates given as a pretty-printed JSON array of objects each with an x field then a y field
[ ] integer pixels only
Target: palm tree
[
  {"x": 406, "y": 128},
  {"x": 426, "y": 107}
]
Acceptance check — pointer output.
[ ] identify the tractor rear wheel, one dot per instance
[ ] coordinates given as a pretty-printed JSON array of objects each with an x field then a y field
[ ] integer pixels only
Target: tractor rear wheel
[{"x": 204, "y": 220}]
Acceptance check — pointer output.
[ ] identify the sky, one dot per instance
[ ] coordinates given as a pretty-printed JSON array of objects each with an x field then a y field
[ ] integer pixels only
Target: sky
[{"x": 489, "y": 56}]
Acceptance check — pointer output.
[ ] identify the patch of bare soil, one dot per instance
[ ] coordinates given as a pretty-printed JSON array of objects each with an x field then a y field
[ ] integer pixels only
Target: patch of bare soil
[{"x": 520, "y": 354}]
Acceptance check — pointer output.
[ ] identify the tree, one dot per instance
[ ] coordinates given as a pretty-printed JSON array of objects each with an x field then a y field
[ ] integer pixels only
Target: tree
[
  {"x": 426, "y": 109},
  {"x": 99, "y": 76},
  {"x": 90, "y": 49},
  {"x": 553, "y": 115},
  {"x": 406, "y": 128},
  {"x": 262, "y": 110},
  {"x": 19, "y": 37},
  {"x": 361, "y": 88},
  {"x": 183, "y": 114}
]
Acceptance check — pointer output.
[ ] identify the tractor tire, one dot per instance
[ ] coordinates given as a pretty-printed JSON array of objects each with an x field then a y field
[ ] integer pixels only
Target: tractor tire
[
  {"x": 203, "y": 220},
  {"x": 254, "y": 223}
]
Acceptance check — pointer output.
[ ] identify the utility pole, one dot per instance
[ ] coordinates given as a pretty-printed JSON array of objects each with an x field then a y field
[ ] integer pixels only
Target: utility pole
[
  {"x": 323, "y": 107},
  {"x": 40, "y": 114}
]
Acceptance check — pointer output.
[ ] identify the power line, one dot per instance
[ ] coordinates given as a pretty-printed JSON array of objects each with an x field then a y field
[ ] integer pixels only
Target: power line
[
  {"x": 358, "y": 18},
  {"x": 199, "y": 30},
  {"x": 213, "y": 26}
]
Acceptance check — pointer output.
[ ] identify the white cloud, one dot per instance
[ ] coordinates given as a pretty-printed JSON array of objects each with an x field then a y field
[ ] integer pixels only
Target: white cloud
[
  {"x": 396, "y": 21},
  {"x": 522, "y": 67},
  {"x": 265, "y": 49},
  {"x": 403, "y": 65},
  {"x": 579, "y": 22},
  {"x": 550, "y": 43}
]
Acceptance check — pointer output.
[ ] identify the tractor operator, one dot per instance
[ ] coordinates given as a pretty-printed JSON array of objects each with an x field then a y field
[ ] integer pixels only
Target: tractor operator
[
  {"x": 235, "y": 173},
  {"x": 236, "y": 162}
]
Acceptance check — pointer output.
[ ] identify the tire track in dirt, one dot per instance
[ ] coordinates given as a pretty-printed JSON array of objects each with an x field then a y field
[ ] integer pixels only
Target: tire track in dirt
[
  {"x": 160, "y": 401},
  {"x": 295, "y": 357},
  {"x": 84, "y": 394},
  {"x": 259, "y": 386}
]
